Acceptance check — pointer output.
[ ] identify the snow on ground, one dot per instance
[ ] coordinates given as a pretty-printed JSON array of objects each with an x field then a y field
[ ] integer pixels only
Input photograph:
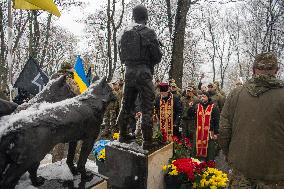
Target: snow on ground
[{"x": 49, "y": 171}]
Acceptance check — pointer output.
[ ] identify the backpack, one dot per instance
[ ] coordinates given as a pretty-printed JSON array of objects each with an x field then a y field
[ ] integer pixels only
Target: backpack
[{"x": 130, "y": 45}]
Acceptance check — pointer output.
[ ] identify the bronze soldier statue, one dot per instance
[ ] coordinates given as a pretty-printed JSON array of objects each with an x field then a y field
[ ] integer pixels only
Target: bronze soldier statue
[
  {"x": 139, "y": 51},
  {"x": 252, "y": 128}
]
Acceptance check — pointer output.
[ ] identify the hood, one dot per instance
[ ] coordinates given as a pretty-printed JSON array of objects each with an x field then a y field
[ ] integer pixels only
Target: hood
[{"x": 260, "y": 84}]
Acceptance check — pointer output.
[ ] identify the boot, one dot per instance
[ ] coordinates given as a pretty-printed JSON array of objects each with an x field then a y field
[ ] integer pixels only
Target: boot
[{"x": 126, "y": 138}]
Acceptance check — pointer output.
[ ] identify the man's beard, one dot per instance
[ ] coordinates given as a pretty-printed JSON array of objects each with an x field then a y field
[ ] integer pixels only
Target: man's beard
[{"x": 204, "y": 102}]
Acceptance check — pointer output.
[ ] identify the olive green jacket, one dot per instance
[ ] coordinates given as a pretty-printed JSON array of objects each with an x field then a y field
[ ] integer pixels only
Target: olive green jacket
[{"x": 252, "y": 129}]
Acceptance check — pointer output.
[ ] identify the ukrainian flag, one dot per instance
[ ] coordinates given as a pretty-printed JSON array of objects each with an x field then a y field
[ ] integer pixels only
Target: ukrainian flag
[
  {"x": 46, "y": 5},
  {"x": 80, "y": 75}
]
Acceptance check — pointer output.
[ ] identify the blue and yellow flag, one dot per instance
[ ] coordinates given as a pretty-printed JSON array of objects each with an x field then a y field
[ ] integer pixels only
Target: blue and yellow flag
[
  {"x": 80, "y": 75},
  {"x": 46, "y": 5}
]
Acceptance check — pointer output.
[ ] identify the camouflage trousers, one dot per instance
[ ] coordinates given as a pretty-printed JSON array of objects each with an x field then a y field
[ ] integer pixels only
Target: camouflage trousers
[
  {"x": 188, "y": 129},
  {"x": 239, "y": 181}
]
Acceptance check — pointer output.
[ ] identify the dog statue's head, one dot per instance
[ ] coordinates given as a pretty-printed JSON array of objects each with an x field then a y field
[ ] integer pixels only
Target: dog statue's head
[{"x": 100, "y": 94}]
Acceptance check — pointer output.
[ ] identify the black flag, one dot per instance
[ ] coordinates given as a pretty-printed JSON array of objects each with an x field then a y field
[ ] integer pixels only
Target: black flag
[{"x": 32, "y": 79}]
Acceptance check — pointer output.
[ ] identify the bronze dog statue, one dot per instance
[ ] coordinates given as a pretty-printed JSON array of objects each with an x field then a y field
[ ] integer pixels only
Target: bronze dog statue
[{"x": 26, "y": 137}]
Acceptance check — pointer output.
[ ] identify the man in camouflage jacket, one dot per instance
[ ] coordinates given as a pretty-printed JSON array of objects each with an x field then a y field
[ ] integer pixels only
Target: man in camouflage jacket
[{"x": 252, "y": 128}]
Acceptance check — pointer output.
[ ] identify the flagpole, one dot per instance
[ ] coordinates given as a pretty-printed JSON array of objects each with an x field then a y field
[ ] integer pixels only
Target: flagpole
[{"x": 10, "y": 40}]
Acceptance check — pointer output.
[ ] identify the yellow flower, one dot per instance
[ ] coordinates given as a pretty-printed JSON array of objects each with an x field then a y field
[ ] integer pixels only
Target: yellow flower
[
  {"x": 173, "y": 166},
  {"x": 194, "y": 185},
  {"x": 115, "y": 136},
  {"x": 206, "y": 183},
  {"x": 165, "y": 167},
  {"x": 212, "y": 178},
  {"x": 202, "y": 182},
  {"x": 222, "y": 184},
  {"x": 102, "y": 155},
  {"x": 173, "y": 172}
]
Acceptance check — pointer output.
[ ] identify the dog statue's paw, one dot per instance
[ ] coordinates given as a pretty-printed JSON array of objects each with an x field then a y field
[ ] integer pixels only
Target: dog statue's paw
[{"x": 38, "y": 181}]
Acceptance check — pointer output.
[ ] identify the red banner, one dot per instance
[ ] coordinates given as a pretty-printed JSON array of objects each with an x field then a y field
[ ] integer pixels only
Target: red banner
[
  {"x": 166, "y": 117},
  {"x": 202, "y": 130}
]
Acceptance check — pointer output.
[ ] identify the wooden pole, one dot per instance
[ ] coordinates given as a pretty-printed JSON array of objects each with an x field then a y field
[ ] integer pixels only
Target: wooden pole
[{"x": 10, "y": 41}]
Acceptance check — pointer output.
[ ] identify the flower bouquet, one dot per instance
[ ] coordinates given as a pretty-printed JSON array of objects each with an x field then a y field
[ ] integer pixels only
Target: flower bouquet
[
  {"x": 99, "y": 148},
  {"x": 211, "y": 178},
  {"x": 185, "y": 173},
  {"x": 180, "y": 173}
]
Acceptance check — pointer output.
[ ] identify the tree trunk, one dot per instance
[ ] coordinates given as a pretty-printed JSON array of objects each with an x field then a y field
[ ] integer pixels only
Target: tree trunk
[
  {"x": 46, "y": 40},
  {"x": 176, "y": 68},
  {"x": 109, "y": 55},
  {"x": 115, "y": 29},
  {"x": 36, "y": 35},
  {"x": 3, "y": 70},
  {"x": 214, "y": 49},
  {"x": 31, "y": 34},
  {"x": 170, "y": 19},
  {"x": 20, "y": 34}
]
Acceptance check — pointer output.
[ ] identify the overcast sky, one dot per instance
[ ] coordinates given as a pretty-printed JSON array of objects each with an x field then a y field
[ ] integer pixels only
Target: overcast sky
[{"x": 68, "y": 18}]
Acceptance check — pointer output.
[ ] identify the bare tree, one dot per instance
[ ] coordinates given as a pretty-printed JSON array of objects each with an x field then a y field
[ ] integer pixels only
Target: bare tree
[{"x": 177, "y": 60}]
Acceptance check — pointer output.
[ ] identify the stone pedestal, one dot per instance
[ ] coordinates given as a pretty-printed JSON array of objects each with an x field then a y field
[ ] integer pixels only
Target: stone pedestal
[{"x": 128, "y": 166}]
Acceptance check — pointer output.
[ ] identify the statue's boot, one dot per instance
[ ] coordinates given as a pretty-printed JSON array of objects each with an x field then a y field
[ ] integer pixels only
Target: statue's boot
[{"x": 124, "y": 136}]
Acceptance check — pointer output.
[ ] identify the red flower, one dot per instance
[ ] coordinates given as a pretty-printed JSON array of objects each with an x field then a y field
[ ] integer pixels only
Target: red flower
[
  {"x": 187, "y": 142},
  {"x": 204, "y": 165},
  {"x": 186, "y": 166},
  {"x": 211, "y": 164},
  {"x": 176, "y": 140}
]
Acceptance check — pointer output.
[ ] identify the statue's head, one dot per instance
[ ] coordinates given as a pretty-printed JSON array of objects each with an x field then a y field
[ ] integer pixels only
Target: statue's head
[
  {"x": 140, "y": 14},
  {"x": 100, "y": 93}
]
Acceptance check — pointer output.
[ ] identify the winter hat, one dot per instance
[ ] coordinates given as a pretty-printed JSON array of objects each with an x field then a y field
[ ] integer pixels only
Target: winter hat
[
  {"x": 265, "y": 61},
  {"x": 164, "y": 87}
]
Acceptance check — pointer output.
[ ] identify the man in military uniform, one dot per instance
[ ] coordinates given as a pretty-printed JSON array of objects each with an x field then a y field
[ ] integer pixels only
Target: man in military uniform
[
  {"x": 3, "y": 95},
  {"x": 139, "y": 50},
  {"x": 219, "y": 90},
  {"x": 175, "y": 90},
  {"x": 215, "y": 96},
  {"x": 187, "y": 122},
  {"x": 252, "y": 128},
  {"x": 157, "y": 88},
  {"x": 112, "y": 113}
]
